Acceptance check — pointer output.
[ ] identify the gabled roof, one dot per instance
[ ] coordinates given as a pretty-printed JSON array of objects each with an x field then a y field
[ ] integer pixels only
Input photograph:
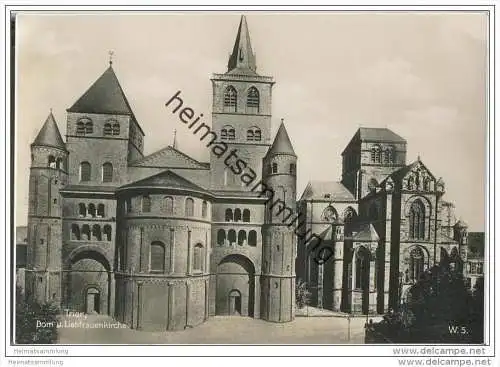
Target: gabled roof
[
  {"x": 281, "y": 143},
  {"x": 49, "y": 135},
  {"x": 401, "y": 173},
  {"x": 242, "y": 59},
  {"x": 327, "y": 190},
  {"x": 367, "y": 233},
  {"x": 169, "y": 157},
  {"x": 104, "y": 96},
  {"x": 166, "y": 179}
]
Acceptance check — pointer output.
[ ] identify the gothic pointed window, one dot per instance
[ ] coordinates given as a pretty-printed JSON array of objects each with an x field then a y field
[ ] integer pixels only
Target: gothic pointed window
[
  {"x": 417, "y": 220},
  {"x": 230, "y": 97},
  {"x": 86, "y": 232},
  {"x": 52, "y": 161},
  {"x": 253, "y": 100},
  {"x": 107, "y": 172},
  {"x": 85, "y": 171},
  {"x": 92, "y": 211},
  {"x": 416, "y": 265},
  {"x": 107, "y": 129}
]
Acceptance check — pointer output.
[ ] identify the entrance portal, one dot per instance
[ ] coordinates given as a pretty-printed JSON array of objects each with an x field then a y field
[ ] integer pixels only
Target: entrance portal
[
  {"x": 234, "y": 302},
  {"x": 93, "y": 301}
]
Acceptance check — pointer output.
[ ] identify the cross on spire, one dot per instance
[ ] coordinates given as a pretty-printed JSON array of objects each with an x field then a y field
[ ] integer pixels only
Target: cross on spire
[{"x": 111, "y": 53}]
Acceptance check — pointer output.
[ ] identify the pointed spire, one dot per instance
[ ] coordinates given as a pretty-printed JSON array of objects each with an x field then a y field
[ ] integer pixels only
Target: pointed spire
[
  {"x": 174, "y": 144},
  {"x": 104, "y": 96},
  {"x": 281, "y": 143},
  {"x": 242, "y": 57},
  {"x": 49, "y": 134}
]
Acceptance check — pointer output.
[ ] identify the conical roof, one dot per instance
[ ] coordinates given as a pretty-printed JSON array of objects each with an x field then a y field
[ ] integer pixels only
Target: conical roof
[
  {"x": 104, "y": 96},
  {"x": 49, "y": 134},
  {"x": 282, "y": 143},
  {"x": 242, "y": 58}
]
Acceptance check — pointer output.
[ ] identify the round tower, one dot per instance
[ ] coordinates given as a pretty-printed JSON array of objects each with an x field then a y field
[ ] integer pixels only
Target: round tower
[
  {"x": 48, "y": 173},
  {"x": 279, "y": 239}
]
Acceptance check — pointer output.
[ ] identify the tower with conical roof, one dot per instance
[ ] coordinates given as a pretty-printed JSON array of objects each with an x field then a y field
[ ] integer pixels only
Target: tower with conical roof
[
  {"x": 279, "y": 238},
  {"x": 48, "y": 173}
]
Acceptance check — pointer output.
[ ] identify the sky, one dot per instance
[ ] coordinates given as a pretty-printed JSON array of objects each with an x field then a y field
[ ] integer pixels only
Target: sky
[{"x": 422, "y": 75}]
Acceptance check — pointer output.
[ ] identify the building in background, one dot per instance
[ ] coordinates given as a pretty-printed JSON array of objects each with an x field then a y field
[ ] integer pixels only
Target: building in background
[
  {"x": 21, "y": 255},
  {"x": 475, "y": 259}
]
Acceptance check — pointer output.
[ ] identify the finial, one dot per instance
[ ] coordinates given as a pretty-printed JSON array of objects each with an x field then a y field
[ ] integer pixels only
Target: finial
[
  {"x": 174, "y": 144},
  {"x": 111, "y": 53},
  {"x": 282, "y": 120},
  {"x": 418, "y": 158},
  {"x": 50, "y": 110}
]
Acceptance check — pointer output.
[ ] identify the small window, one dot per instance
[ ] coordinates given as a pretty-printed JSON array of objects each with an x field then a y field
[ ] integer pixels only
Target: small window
[
  {"x": 231, "y": 135},
  {"x": 146, "y": 204},
  {"x": 96, "y": 233},
  {"x": 229, "y": 215},
  {"x": 107, "y": 129},
  {"x": 52, "y": 161},
  {"x": 82, "y": 210},
  {"x": 107, "y": 172},
  {"x": 189, "y": 210},
  {"x": 80, "y": 128},
  {"x": 275, "y": 168},
  {"x": 168, "y": 204},
  {"x": 107, "y": 232},
  {"x": 250, "y": 135},
  {"x": 86, "y": 232},
  {"x": 223, "y": 134},
  {"x": 198, "y": 257},
  {"x": 292, "y": 169},
  {"x": 89, "y": 127},
  {"x": 257, "y": 135},
  {"x": 252, "y": 238},
  {"x": 221, "y": 237},
  {"x": 100, "y": 211},
  {"x": 116, "y": 128},
  {"x": 157, "y": 257},
  {"x": 92, "y": 211},
  {"x": 75, "y": 232},
  {"x": 85, "y": 171},
  {"x": 231, "y": 236},
  {"x": 246, "y": 215},
  {"x": 204, "y": 209},
  {"x": 237, "y": 214},
  {"x": 242, "y": 238}
]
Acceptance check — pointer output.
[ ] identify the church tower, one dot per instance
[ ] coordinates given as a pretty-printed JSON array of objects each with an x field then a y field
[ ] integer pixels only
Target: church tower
[
  {"x": 279, "y": 244},
  {"x": 48, "y": 173},
  {"x": 241, "y": 113}
]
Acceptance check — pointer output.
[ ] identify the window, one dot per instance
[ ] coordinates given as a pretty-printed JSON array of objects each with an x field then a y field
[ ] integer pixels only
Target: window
[
  {"x": 389, "y": 155},
  {"x": 86, "y": 232},
  {"x": 292, "y": 169},
  {"x": 416, "y": 265},
  {"x": 237, "y": 214},
  {"x": 189, "y": 210},
  {"x": 82, "y": 210},
  {"x": 116, "y": 128},
  {"x": 427, "y": 184},
  {"x": 146, "y": 204},
  {"x": 52, "y": 161},
  {"x": 362, "y": 269},
  {"x": 250, "y": 135},
  {"x": 89, "y": 127},
  {"x": 107, "y": 172},
  {"x": 157, "y": 257},
  {"x": 75, "y": 232},
  {"x": 204, "y": 206},
  {"x": 107, "y": 129},
  {"x": 417, "y": 220},
  {"x": 231, "y": 236},
  {"x": 107, "y": 232},
  {"x": 231, "y": 135},
  {"x": 128, "y": 205},
  {"x": 59, "y": 164},
  {"x": 85, "y": 171},
  {"x": 257, "y": 135},
  {"x": 223, "y": 134},
  {"x": 92, "y": 211},
  {"x": 100, "y": 210},
  {"x": 96, "y": 233},
  {"x": 229, "y": 215},
  {"x": 246, "y": 215},
  {"x": 252, "y": 238},
  {"x": 376, "y": 154},
  {"x": 275, "y": 168},
  {"x": 80, "y": 128},
  {"x": 230, "y": 97},
  {"x": 221, "y": 237},
  {"x": 254, "y": 134},
  {"x": 198, "y": 257},
  {"x": 253, "y": 100},
  {"x": 242, "y": 237},
  {"x": 168, "y": 205}
]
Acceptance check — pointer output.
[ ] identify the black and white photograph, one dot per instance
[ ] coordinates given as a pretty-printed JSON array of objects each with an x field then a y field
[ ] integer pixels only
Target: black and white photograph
[{"x": 248, "y": 177}]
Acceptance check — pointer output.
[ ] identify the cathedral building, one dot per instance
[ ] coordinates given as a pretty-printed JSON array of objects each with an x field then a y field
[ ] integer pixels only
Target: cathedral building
[
  {"x": 384, "y": 224},
  {"x": 163, "y": 241}
]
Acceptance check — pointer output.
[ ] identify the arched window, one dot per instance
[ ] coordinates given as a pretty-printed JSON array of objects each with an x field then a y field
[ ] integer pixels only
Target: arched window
[
  {"x": 157, "y": 257},
  {"x": 231, "y": 135},
  {"x": 417, "y": 220},
  {"x": 189, "y": 210},
  {"x": 250, "y": 135},
  {"x": 75, "y": 232},
  {"x": 229, "y": 215},
  {"x": 100, "y": 210},
  {"x": 204, "y": 207},
  {"x": 376, "y": 154},
  {"x": 349, "y": 217},
  {"x": 82, "y": 210},
  {"x": 51, "y": 161},
  {"x": 168, "y": 205},
  {"x": 246, "y": 215},
  {"x": 96, "y": 233},
  {"x": 107, "y": 129},
  {"x": 223, "y": 134},
  {"x": 221, "y": 237},
  {"x": 253, "y": 101},
  {"x": 146, "y": 204},
  {"x": 89, "y": 127},
  {"x": 92, "y": 212},
  {"x": 86, "y": 232},
  {"x": 362, "y": 269},
  {"x": 275, "y": 168},
  {"x": 230, "y": 97},
  {"x": 242, "y": 237},
  {"x": 80, "y": 128},
  {"x": 427, "y": 184},
  {"x": 116, "y": 128},
  {"x": 410, "y": 183},
  {"x": 231, "y": 236},
  {"x": 252, "y": 238},
  {"x": 85, "y": 171},
  {"x": 107, "y": 172},
  {"x": 107, "y": 232},
  {"x": 59, "y": 163},
  {"x": 237, "y": 214},
  {"x": 416, "y": 265},
  {"x": 389, "y": 155},
  {"x": 198, "y": 257},
  {"x": 293, "y": 169},
  {"x": 257, "y": 135}
]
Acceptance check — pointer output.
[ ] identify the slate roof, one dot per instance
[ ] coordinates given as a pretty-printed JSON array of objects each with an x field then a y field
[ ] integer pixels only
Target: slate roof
[
  {"x": 242, "y": 59},
  {"x": 49, "y": 134},
  {"x": 169, "y": 157},
  {"x": 316, "y": 190},
  {"x": 166, "y": 179},
  {"x": 367, "y": 233},
  {"x": 104, "y": 96},
  {"x": 381, "y": 134},
  {"x": 281, "y": 143}
]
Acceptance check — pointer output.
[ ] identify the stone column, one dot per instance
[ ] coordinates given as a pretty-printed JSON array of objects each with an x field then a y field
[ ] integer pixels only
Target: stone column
[
  {"x": 338, "y": 270},
  {"x": 372, "y": 298},
  {"x": 189, "y": 262},
  {"x": 256, "y": 304},
  {"x": 111, "y": 303}
]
